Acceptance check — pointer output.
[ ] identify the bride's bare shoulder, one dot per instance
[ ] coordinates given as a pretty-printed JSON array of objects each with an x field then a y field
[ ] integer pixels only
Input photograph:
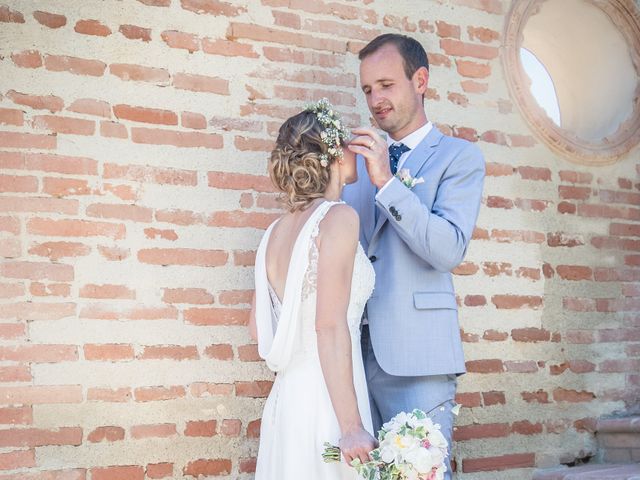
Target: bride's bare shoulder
[{"x": 341, "y": 222}]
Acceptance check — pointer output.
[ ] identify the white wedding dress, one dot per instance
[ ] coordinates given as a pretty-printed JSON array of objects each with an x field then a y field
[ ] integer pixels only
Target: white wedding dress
[{"x": 298, "y": 417}]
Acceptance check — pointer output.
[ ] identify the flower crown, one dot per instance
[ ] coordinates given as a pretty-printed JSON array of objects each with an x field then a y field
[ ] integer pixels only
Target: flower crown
[{"x": 333, "y": 132}]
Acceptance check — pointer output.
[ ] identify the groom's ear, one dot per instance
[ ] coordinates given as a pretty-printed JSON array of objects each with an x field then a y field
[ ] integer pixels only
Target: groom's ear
[{"x": 421, "y": 79}]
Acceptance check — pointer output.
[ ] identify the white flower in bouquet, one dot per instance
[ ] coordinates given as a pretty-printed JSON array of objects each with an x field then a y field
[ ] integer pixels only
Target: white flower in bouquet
[{"x": 411, "y": 447}]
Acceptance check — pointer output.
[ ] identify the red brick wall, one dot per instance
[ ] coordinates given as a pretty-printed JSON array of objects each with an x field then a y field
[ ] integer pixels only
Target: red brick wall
[{"x": 133, "y": 146}]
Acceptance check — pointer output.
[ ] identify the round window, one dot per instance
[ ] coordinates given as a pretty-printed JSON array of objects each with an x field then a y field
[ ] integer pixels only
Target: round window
[{"x": 573, "y": 67}]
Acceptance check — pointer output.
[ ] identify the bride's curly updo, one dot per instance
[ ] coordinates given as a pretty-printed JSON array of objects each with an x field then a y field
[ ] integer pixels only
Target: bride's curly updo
[
  {"x": 300, "y": 162},
  {"x": 295, "y": 167}
]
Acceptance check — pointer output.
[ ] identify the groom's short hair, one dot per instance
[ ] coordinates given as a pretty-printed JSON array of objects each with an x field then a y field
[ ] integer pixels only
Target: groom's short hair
[{"x": 410, "y": 49}]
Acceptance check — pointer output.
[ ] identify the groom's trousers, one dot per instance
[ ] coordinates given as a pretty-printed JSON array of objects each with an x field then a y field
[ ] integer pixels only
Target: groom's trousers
[{"x": 391, "y": 394}]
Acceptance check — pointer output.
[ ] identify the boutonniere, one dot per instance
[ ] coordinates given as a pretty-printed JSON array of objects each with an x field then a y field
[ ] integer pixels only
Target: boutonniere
[{"x": 405, "y": 177}]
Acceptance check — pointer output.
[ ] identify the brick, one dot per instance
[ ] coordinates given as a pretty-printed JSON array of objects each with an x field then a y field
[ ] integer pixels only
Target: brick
[
  {"x": 249, "y": 353},
  {"x": 176, "y": 138},
  {"x": 139, "y": 73},
  {"x": 517, "y": 301},
  {"x": 471, "y": 86},
  {"x": 91, "y": 107},
  {"x": 50, "y": 290},
  {"x": 493, "y": 398},
  {"x": 503, "y": 462},
  {"x": 75, "y": 65},
  {"x": 27, "y": 59},
  {"x": 201, "y": 389},
  {"x": 109, "y": 312},
  {"x": 539, "y": 396},
  {"x": 67, "y": 125},
  {"x": 286, "y": 19},
  {"x": 575, "y": 177},
  {"x": 159, "y": 470},
  {"x": 572, "y": 396},
  {"x": 569, "y": 192},
  {"x": 624, "y": 229},
  {"x": 484, "y": 35},
  {"x": 445, "y": 29},
  {"x": 253, "y": 429},
  {"x": 37, "y": 271},
  {"x": 247, "y": 465},
  {"x": 108, "y": 352},
  {"x": 106, "y": 434},
  {"x": 526, "y": 366},
  {"x": 212, "y": 7},
  {"x": 17, "y": 459},
  {"x": 272, "y": 35},
  {"x": 485, "y": 366},
  {"x": 561, "y": 239},
  {"x": 145, "y": 115},
  {"x": 185, "y": 41},
  {"x": 237, "y": 181},
  {"x": 201, "y": 83},
  {"x": 74, "y": 228},
  {"x": 219, "y": 352},
  {"x": 526, "y": 236},
  {"x": 201, "y": 428},
  {"x": 154, "y": 233},
  {"x": 48, "y": 163},
  {"x": 10, "y": 16},
  {"x": 240, "y": 219},
  {"x": 27, "y": 140},
  {"x": 38, "y": 102},
  {"x": 462, "y": 433},
  {"x": 134, "y": 32},
  {"x": 256, "y": 389},
  {"x": 530, "y": 335},
  {"x": 466, "y": 268},
  {"x": 231, "y": 427},
  {"x": 15, "y": 373},
  {"x": 253, "y": 144},
  {"x": 153, "y": 394},
  {"x": 235, "y": 297},
  {"x": 468, "y": 399},
  {"x": 39, "y": 353},
  {"x": 117, "y": 473},
  {"x": 36, "y": 437},
  {"x": 120, "y": 212},
  {"x": 162, "y": 430},
  {"x": 193, "y": 120},
  {"x": 524, "y": 427},
  {"x": 216, "y": 316},
  {"x": 495, "y": 335},
  {"x": 109, "y": 395},
  {"x": 470, "y": 69},
  {"x": 51, "y": 20},
  {"x": 574, "y": 272},
  {"x": 92, "y": 27},
  {"x": 535, "y": 173},
  {"x": 187, "y": 295},
  {"x": 229, "y": 48},
  {"x": 215, "y": 467},
  {"x": 457, "y": 48},
  {"x": 174, "y": 352},
  {"x": 57, "y": 250},
  {"x": 22, "y": 184},
  {"x": 580, "y": 336}
]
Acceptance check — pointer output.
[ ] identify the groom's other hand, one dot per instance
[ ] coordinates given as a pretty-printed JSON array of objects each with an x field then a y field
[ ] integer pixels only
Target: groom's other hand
[
  {"x": 373, "y": 148},
  {"x": 357, "y": 444}
]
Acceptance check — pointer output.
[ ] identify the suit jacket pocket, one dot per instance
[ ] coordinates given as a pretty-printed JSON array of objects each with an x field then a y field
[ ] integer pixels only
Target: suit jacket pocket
[{"x": 434, "y": 300}]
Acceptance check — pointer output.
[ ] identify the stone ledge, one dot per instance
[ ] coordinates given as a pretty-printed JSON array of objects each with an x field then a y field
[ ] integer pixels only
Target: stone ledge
[
  {"x": 591, "y": 472},
  {"x": 619, "y": 425}
]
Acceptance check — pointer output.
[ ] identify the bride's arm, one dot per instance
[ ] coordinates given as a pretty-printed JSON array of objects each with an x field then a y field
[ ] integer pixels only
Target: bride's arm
[{"x": 337, "y": 243}]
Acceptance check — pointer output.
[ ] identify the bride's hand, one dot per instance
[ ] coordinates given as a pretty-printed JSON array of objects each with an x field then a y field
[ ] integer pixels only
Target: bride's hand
[{"x": 357, "y": 444}]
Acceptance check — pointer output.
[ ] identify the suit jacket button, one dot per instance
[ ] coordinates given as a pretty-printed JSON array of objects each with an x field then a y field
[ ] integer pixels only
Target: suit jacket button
[
  {"x": 373, "y": 258},
  {"x": 393, "y": 210},
  {"x": 398, "y": 217}
]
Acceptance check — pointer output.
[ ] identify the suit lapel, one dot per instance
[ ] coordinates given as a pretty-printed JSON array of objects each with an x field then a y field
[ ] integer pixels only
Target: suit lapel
[{"x": 414, "y": 163}]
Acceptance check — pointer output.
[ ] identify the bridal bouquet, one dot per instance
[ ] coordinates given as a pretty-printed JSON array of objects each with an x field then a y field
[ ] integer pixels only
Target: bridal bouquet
[{"x": 411, "y": 448}]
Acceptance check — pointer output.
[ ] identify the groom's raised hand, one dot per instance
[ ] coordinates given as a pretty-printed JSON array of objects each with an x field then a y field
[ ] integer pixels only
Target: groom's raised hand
[{"x": 373, "y": 148}]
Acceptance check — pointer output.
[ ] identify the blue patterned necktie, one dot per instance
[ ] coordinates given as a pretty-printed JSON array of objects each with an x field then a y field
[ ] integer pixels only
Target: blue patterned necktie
[{"x": 395, "y": 152}]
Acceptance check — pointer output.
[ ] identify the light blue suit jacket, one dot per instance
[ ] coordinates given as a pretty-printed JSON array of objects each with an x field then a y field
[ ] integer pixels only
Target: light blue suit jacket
[{"x": 420, "y": 236}]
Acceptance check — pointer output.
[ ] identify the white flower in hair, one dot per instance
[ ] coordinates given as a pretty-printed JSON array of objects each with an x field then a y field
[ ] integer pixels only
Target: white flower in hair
[{"x": 333, "y": 133}]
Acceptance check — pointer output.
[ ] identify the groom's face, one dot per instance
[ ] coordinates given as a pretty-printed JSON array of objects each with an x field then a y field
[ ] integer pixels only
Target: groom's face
[{"x": 394, "y": 100}]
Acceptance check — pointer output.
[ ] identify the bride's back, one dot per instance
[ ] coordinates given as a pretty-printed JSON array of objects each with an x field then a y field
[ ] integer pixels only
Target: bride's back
[{"x": 280, "y": 246}]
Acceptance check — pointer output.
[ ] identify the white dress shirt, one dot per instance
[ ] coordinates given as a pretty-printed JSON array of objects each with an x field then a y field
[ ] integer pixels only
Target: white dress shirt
[{"x": 412, "y": 141}]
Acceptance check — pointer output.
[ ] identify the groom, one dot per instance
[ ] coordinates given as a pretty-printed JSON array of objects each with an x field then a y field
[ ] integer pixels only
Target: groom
[{"x": 414, "y": 236}]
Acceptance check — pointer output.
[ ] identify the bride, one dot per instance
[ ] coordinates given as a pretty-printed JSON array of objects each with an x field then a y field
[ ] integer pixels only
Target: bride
[{"x": 312, "y": 280}]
